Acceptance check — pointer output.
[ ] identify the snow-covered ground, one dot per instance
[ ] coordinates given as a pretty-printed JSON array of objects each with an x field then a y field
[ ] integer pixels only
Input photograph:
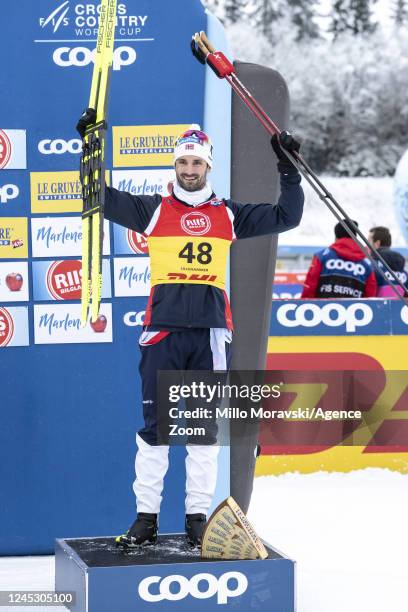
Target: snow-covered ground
[
  {"x": 369, "y": 201},
  {"x": 347, "y": 532}
]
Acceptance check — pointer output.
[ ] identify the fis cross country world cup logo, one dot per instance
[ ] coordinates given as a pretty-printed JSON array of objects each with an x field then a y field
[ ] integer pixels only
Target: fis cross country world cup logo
[
  {"x": 137, "y": 242},
  {"x": 82, "y": 20},
  {"x": 6, "y": 327},
  {"x": 195, "y": 223},
  {"x": 72, "y": 22},
  {"x": 13, "y": 154},
  {"x": 64, "y": 279}
]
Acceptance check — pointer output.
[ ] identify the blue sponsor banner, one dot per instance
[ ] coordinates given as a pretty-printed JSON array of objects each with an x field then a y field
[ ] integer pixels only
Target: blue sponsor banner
[
  {"x": 14, "y": 193},
  {"x": 331, "y": 318},
  {"x": 399, "y": 317},
  {"x": 286, "y": 291},
  {"x": 62, "y": 279},
  {"x": 100, "y": 393}
]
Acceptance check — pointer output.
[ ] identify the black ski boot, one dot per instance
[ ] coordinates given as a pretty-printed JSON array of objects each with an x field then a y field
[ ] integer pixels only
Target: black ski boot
[
  {"x": 195, "y": 524},
  {"x": 143, "y": 532}
]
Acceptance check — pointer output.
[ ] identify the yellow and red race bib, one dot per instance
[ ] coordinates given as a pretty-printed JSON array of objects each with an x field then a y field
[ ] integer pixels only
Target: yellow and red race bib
[{"x": 190, "y": 245}]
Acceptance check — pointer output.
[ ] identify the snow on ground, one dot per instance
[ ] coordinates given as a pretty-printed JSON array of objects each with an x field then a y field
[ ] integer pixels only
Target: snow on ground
[
  {"x": 368, "y": 200},
  {"x": 28, "y": 574},
  {"x": 347, "y": 532}
]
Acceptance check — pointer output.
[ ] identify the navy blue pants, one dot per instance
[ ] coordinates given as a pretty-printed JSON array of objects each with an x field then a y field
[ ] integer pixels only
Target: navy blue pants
[{"x": 193, "y": 349}]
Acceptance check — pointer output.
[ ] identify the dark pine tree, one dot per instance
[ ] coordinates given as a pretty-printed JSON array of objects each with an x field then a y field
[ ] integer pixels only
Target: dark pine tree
[
  {"x": 400, "y": 12},
  {"x": 355, "y": 16},
  {"x": 303, "y": 13},
  {"x": 233, "y": 10}
]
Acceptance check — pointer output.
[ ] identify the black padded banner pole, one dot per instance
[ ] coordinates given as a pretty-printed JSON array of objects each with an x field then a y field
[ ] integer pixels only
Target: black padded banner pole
[{"x": 254, "y": 178}]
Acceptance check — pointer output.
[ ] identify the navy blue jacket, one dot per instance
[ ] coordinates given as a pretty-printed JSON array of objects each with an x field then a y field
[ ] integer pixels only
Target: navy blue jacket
[{"x": 179, "y": 305}]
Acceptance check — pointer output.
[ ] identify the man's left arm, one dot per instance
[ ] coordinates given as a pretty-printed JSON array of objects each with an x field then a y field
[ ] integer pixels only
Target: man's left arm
[{"x": 261, "y": 219}]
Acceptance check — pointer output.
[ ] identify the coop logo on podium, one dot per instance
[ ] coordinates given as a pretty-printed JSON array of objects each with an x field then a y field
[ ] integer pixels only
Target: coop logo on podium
[
  {"x": 13, "y": 154},
  {"x": 145, "y": 145},
  {"x": 218, "y": 587}
]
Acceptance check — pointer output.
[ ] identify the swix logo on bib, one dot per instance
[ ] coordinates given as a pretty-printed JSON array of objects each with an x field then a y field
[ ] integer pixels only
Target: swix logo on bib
[
  {"x": 64, "y": 279},
  {"x": 6, "y": 327},
  {"x": 200, "y": 586},
  {"x": 195, "y": 223},
  {"x": 190, "y": 247}
]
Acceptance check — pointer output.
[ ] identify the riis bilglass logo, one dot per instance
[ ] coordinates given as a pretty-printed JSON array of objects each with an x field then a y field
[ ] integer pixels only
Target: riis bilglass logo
[{"x": 68, "y": 24}]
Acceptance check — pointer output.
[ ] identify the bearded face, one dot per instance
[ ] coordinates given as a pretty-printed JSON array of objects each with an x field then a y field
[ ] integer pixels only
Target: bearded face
[{"x": 191, "y": 172}]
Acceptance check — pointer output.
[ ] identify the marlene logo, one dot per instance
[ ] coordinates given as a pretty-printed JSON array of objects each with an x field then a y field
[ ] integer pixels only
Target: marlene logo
[
  {"x": 6, "y": 327},
  {"x": 137, "y": 242},
  {"x": 60, "y": 323},
  {"x": 195, "y": 223},
  {"x": 134, "y": 277},
  {"x": 64, "y": 279},
  {"x": 50, "y": 237}
]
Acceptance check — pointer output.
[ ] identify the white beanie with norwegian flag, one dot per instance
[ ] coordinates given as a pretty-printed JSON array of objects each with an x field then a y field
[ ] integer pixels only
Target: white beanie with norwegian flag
[{"x": 194, "y": 142}]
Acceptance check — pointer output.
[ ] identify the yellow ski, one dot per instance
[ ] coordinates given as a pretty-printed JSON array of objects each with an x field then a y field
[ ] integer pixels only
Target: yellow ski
[{"x": 92, "y": 168}]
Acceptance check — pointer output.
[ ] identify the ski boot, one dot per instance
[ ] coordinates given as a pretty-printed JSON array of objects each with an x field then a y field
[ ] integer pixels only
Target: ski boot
[
  {"x": 194, "y": 525},
  {"x": 143, "y": 532}
]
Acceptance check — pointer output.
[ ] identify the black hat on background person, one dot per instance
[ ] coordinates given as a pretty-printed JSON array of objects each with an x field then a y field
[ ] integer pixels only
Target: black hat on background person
[{"x": 381, "y": 239}]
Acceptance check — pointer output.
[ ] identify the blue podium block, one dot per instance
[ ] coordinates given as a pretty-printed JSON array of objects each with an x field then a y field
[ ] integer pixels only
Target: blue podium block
[{"x": 169, "y": 576}]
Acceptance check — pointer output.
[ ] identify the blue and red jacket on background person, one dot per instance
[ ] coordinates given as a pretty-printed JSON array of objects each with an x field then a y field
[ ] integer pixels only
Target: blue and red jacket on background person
[{"x": 340, "y": 271}]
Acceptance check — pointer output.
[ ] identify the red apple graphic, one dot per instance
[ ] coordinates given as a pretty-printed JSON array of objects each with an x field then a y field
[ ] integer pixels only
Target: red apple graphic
[
  {"x": 100, "y": 324},
  {"x": 14, "y": 281}
]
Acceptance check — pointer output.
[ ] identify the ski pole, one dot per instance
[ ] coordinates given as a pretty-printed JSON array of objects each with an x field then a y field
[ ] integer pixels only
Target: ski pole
[{"x": 205, "y": 52}]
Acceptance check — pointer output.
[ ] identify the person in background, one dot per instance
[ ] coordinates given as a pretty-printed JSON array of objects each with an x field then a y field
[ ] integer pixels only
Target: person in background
[
  {"x": 341, "y": 270},
  {"x": 380, "y": 238}
]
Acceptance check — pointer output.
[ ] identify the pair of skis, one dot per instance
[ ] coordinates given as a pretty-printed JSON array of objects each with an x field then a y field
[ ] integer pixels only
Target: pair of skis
[
  {"x": 206, "y": 53},
  {"x": 92, "y": 166}
]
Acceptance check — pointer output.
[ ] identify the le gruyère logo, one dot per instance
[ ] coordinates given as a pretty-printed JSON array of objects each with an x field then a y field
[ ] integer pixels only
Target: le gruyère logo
[
  {"x": 5, "y": 149},
  {"x": 195, "y": 223},
  {"x": 137, "y": 242},
  {"x": 6, "y": 327},
  {"x": 64, "y": 279}
]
